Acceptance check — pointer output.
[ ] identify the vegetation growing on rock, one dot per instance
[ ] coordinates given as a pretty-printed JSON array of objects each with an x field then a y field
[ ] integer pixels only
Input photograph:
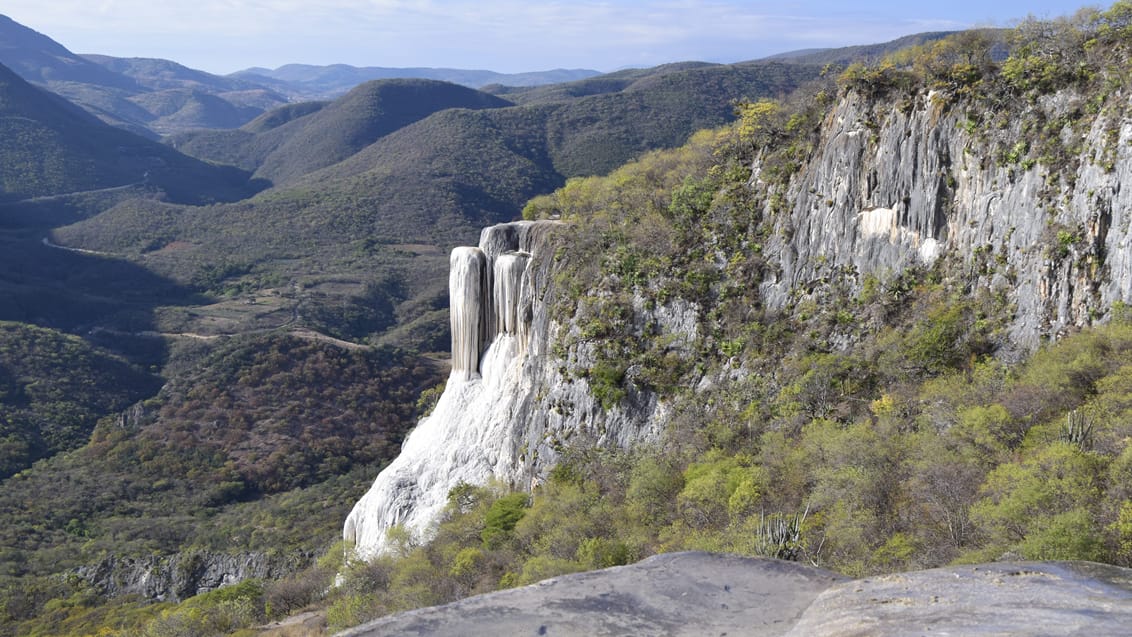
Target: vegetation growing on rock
[{"x": 874, "y": 422}]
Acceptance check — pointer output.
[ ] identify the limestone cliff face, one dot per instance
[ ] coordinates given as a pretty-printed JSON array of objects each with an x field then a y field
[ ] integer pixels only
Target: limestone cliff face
[
  {"x": 509, "y": 405},
  {"x": 898, "y": 182},
  {"x": 177, "y": 577},
  {"x": 893, "y": 183}
]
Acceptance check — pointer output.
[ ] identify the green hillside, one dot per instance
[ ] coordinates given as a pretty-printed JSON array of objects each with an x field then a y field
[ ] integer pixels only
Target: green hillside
[
  {"x": 433, "y": 182},
  {"x": 260, "y": 444},
  {"x": 295, "y": 140},
  {"x": 282, "y": 115},
  {"x": 426, "y": 181},
  {"x": 49, "y": 147},
  {"x": 361, "y": 117},
  {"x": 292, "y": 332},
  {"x": 53, "y": 388},
  {"x": 250, "y": 145}
]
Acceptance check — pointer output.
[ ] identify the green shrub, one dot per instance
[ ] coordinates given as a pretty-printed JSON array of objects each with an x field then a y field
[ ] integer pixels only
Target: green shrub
[{"x": 502, "y": 517}]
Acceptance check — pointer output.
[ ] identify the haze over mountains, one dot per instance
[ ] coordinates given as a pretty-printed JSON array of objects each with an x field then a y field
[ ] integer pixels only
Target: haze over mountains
[
  {"x": 307, "y": 81},
  {"x": 159, "y": 97}
]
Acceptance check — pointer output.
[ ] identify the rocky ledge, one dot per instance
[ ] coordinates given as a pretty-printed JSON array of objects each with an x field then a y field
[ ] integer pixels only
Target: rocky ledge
[{"x": 707, "y": 594}]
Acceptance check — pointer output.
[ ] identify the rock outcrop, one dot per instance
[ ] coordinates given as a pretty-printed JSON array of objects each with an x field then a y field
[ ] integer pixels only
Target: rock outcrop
[
  {"x": 891, "y": 184},
  {"x": 706, "y": 594},
  {"x": 183, "y": 575},
  {"x": 508, "y": 406},
  {"x": 901, "y": 182}
]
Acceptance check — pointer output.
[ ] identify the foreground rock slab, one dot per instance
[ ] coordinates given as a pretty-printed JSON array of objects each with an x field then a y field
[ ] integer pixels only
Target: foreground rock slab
[
  {"x": 1028, "y": 598},
  {"x": 695, "y": 593},
  {"x": 675, "y": 594}
]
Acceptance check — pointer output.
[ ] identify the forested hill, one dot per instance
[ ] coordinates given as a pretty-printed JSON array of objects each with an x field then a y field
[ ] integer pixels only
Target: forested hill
[
  {"x": 52, "y": 147},
  {"x": 879, "y": 328},
  {"x": 146, "y": 97},
  {"x": 879, "y": 313},
  {"x": 323, "y": 137}
]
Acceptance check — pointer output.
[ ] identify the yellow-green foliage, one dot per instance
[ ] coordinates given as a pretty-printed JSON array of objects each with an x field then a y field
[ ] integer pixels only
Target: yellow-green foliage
[
  {"x": 867, "y": 429},
  {"x": 871, "y": 429},
  {"x": 912, "y": 484},
  {"x": 219, "y": 612}
]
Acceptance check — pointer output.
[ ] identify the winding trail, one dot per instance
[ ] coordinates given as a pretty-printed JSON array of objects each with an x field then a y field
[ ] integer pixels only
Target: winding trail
[
  {"x": 297, "y": 331},
  {"x": 47, "y": 242}
]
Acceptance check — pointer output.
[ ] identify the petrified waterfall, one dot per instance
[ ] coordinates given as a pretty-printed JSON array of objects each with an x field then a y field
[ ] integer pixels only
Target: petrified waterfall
[
  {"x": 475, "y": 431},
  {"x": 466, "y": 303}
]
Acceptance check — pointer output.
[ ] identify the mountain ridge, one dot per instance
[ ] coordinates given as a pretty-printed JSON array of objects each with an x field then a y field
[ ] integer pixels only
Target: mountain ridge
[
  {"x": 308, "y": 81},
  {"x": 54, "y": 147},
  {"x": 850, "y": 388}
]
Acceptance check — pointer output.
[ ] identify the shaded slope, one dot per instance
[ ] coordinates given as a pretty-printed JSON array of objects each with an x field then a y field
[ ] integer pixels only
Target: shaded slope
[
  {"x": 38, "y": 58},
  {"x": 53, "y": 389},
  {"x": 49, "y": 146},
  {"x": 360, "y": 118}
]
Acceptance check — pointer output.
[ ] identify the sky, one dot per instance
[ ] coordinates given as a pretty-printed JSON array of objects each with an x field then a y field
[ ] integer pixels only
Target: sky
[{"x": 223, "y": 36}]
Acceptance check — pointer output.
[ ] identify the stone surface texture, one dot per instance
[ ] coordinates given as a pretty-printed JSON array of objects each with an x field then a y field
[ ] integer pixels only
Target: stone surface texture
[{"x": 686, "y": 594}]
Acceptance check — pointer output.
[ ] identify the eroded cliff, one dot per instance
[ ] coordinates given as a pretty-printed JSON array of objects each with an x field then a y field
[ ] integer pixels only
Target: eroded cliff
[
  {"x": 908, "y": 181},
  {"x": 509, "y": 404},
  {"x": 1026, "y": 206}
]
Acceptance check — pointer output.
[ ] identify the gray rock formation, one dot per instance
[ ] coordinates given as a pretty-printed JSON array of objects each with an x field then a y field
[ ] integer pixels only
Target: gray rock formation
[
  {"x": 676, "y": 594},
  {"x": 707, "y": 594},
  {"x": 892, "y": 184},
  {"x": 897, "y": 183},
  {"x": 183, "y": 575},
  {"x": 508, "y": 405},
  {"x": 1029, "y": 598}
]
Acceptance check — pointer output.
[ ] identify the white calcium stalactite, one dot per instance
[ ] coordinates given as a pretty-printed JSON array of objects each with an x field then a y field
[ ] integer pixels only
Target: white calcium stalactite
[
  {"x": 466, "y": 307},
  {"x": 507, "y": 278},
  {"x": 495, "y": 241},
  {"x": 472, "y": 435}
]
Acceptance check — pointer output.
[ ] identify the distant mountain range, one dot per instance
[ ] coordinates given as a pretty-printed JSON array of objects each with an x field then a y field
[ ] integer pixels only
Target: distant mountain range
[
  {"x": 304, "y": 81},
  {"x": 865, "y": 53},
  {"x": 155, "y": 97}
]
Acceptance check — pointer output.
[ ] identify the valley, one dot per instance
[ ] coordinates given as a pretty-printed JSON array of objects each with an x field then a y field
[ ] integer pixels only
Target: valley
[{"x": 864, "y": 309}]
